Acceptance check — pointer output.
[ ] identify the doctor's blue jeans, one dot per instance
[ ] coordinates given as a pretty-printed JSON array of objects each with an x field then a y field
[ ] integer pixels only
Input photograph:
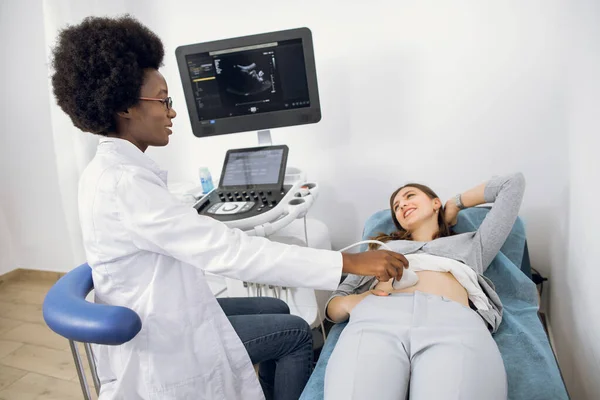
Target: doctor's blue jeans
[{"x": 280, "y": 343}]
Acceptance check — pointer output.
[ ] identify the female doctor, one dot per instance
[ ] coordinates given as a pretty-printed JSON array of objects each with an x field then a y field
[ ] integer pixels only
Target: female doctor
[{"x": 149, "y": 252}]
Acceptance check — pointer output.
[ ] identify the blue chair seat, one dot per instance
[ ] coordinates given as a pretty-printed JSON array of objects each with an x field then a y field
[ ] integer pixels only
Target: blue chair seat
[{"x": 68, "y": 313}]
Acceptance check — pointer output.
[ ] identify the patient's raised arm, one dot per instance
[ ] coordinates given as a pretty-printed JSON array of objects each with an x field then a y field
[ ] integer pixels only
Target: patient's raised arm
[{"x": 340, "y": 307}]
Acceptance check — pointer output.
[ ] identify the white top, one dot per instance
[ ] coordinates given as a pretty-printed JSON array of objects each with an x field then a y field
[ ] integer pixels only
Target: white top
[
  {"x": 149, "y": 252},
  {"x": 464, "y": 274}
]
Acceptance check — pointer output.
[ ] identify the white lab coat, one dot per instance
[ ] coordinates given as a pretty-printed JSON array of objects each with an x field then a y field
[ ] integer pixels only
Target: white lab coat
[{"x": 148, "y": 252}]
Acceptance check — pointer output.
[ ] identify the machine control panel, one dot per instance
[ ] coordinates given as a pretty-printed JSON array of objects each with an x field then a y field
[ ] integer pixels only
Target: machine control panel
[{"x": 227, "y": 205}]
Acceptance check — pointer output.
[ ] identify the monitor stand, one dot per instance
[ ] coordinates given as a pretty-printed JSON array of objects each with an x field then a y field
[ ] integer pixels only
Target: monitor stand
[{"x": 264, "y": 138}]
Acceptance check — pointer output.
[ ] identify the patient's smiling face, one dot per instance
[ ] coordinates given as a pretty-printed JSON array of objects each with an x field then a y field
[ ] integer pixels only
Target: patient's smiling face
[{"x": 412, "y": 207}]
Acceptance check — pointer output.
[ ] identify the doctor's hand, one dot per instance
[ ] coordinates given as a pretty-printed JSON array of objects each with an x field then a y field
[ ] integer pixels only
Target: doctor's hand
[{"x": 382, "y": 264}]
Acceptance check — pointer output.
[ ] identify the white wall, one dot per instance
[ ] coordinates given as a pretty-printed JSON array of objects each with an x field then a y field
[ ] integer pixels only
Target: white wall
[
  {"x": 32, "y": 228},
  {"x": 8, "y": 256},
  {"x": 574, "y": 291}
]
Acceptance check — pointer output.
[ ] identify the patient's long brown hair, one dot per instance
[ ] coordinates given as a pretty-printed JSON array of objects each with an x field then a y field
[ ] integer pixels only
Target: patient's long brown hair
[{"x": 401, "y": 233}]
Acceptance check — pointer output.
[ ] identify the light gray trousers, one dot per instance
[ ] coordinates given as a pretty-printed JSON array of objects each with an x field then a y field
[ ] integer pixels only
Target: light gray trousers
[{"x": 418, "y": 346}]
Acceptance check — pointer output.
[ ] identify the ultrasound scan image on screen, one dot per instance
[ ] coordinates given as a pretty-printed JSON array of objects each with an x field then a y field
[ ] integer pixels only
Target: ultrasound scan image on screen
[
  {"x": 249, "y": 80},
  {"x": 245, "y": 77}
]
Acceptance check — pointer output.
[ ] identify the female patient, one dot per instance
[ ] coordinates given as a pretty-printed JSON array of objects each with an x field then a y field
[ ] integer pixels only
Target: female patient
[{"x": 434, "y": 336}]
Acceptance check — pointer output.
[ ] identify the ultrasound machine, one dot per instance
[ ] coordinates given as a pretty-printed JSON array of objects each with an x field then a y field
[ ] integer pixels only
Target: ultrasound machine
[
  {"x": 256, "y": 83},
  {"x": 253, "y": 83}
]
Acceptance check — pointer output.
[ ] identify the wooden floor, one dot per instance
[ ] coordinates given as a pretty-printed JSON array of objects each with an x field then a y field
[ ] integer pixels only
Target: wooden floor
[{"x": 35, "y": 363}]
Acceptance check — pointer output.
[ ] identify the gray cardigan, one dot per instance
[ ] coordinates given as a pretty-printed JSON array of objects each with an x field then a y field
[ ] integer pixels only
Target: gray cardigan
[{"x": 475, "y": 249}]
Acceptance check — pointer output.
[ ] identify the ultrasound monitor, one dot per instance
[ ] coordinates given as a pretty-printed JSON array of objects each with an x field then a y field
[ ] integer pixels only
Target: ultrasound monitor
[{"x": 250, "y": 83}]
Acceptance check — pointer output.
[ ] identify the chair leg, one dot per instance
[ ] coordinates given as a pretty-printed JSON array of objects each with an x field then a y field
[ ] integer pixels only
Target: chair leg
[
  {"x": 92, "y": 361},
  {"x": 80, "y": 371}
]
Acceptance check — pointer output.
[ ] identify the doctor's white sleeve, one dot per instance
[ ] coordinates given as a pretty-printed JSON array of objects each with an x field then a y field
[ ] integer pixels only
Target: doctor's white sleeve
[{"x": 160, "y": 223}]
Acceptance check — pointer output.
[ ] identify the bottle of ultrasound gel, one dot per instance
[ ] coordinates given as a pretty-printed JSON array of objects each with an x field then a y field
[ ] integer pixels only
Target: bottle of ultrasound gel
[{"x": 205, "y": 180}]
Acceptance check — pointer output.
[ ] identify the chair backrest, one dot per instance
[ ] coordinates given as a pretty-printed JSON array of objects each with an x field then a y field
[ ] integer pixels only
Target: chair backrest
[{"x": 67, "y": 312}]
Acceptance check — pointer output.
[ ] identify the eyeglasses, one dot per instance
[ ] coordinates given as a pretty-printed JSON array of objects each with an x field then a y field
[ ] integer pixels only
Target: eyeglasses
[{"x": 166, "y": 101}]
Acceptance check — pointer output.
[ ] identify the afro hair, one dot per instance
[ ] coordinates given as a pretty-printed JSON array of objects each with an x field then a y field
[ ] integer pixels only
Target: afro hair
[{"x": 99, "y": 69}]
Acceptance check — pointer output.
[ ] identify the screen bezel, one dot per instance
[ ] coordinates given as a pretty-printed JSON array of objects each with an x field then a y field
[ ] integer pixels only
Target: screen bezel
[
  {"x": 260, "y": 121},
  {"x": 282, "y": 167}
]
